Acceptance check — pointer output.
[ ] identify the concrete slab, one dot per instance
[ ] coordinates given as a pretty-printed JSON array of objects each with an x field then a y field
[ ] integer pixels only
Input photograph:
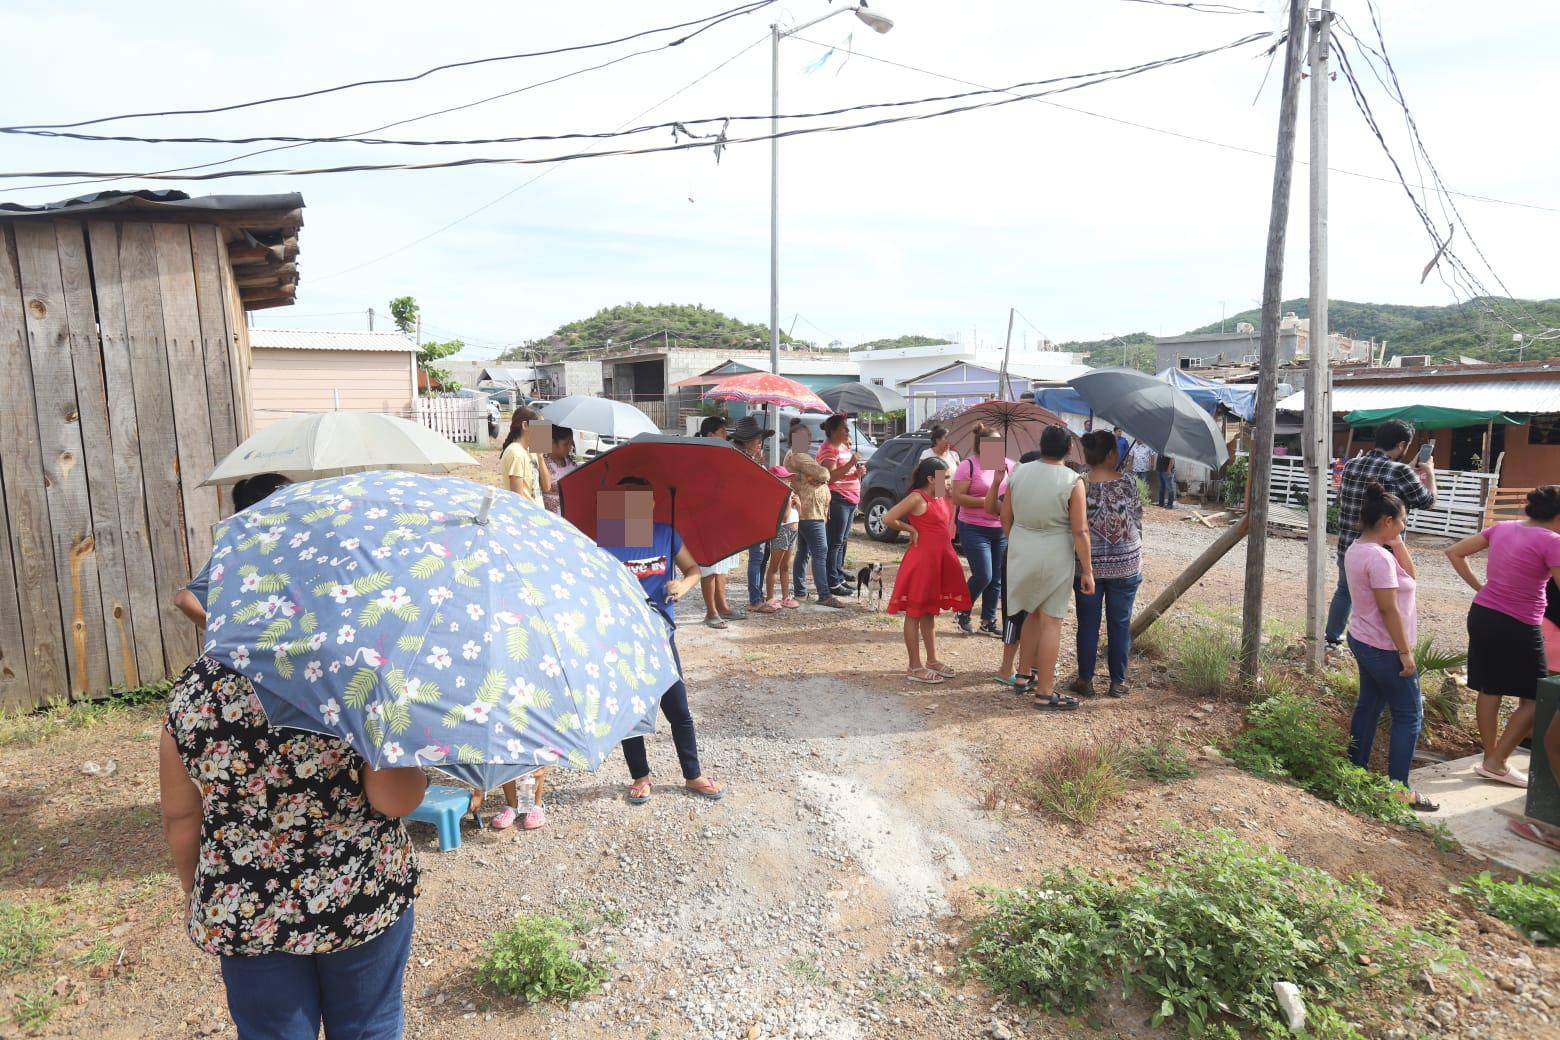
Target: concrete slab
[{"x": 1468, "y": 807}]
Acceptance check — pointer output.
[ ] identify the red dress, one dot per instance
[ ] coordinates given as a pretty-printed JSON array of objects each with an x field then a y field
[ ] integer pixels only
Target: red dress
[{"x": 930, "y": 578}]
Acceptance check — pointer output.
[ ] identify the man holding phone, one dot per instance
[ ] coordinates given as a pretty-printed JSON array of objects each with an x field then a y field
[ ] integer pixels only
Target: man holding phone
[{"x": 1383, "y": 464}]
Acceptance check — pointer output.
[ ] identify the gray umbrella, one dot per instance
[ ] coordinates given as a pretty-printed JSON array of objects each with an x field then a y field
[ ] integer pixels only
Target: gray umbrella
[
  {"x": 1160, "y": 415},
  {"x": 862, "y": 397}
]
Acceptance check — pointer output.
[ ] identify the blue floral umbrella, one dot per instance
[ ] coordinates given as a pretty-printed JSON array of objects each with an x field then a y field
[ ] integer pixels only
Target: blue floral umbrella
[{"x": 428, "y": 620}]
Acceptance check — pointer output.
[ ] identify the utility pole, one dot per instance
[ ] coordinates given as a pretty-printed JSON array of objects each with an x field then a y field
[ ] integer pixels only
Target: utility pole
[
  {"x": 774, "y": 232},
  {"x": 419, "y": 329},
  {"x": 371, "y": 319},
  {"x": 1318, "y": 391},
  {"x": 1007, "y": 349},
  {"x": 1261, "y": 459}
]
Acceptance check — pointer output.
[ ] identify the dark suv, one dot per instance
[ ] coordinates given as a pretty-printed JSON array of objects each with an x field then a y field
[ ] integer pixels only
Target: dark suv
[{"x": 888, "y": 480}]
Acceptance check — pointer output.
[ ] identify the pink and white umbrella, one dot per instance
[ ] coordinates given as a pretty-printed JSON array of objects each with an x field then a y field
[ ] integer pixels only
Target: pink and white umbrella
[{"x": 766, "y": 388}]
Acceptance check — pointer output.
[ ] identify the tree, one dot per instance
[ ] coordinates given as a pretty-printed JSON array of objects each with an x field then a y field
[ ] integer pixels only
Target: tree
[{"x": 403, "y": 311}]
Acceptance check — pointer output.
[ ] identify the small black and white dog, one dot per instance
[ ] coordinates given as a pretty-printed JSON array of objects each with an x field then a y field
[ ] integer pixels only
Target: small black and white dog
[{"x": 870, "y": 580}]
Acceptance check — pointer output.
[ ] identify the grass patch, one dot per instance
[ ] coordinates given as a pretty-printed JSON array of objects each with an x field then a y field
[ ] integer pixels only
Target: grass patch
[
  {"x": 536, "y": 959},
  {"x": 1078, "y": 783},
  {"x": 101, "y": 952},
  {"x": 1532, "y": 905},
  {"x": 26, "y": 935},
  {"x": 1160, "y": 760},
  {"x": 1204, "y": 935},
  {"x": 1286, "y": 739},
  {"x": 33, "y": 1010},
  {"x": 29, "y": 729},
  {"x": 1203, "y": 659}
]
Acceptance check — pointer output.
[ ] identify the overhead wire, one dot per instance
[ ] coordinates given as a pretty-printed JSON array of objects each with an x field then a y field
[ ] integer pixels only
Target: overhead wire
[
  {"x": 1013, "y": 96},
  {"x": 741, "y": 9}
]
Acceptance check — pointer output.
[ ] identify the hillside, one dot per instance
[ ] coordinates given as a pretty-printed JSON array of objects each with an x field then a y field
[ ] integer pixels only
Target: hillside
[
  {"x": 900, "y": 342},
  {"x": 679, "y": 324}
]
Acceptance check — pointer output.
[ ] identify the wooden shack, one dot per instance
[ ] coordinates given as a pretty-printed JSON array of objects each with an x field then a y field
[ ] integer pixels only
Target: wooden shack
[{"x": 123, "y": 377}]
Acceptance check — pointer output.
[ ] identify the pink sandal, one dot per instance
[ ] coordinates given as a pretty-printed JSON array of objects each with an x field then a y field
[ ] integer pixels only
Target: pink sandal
[
  {"x": 504, "y": 820},
  {"x": 789, "y": 603},
  {"x": 535, "y": 820}
]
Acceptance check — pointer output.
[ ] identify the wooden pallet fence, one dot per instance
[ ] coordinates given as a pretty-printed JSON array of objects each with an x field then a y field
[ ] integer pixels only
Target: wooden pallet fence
[
  {"x": 458, "y": 418},
  {"x": 1460, "y": 499}
]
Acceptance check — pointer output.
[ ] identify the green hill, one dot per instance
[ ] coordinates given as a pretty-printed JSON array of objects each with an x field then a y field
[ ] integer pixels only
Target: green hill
[
  {"x": 677, "y": 324},
  {"x": 899, "y": 342},
  {"x": 1442, "y": 332}
]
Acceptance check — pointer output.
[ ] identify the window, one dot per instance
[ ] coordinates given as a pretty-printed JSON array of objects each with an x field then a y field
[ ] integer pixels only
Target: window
[{"x": 1544, "y": 429}]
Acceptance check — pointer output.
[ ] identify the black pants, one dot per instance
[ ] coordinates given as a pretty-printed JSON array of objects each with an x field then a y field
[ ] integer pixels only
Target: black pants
[{"x": 674, "y": 705}]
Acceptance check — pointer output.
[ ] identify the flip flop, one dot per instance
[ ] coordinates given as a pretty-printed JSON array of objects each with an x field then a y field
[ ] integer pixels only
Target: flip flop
[
  {"x": 710, "y": 792},
  {"x": 1512, "y": 776},
  {"x": 1525, "y": 829},
  {"x": 1419, "y": 803},
  {"x": 930, "y": 677},
  {"x": 1010, "y": 681},
  {"x": 643, "y": 789},
  {"x": 714, "y": 622},
  {"x": 942, "y": 670}
]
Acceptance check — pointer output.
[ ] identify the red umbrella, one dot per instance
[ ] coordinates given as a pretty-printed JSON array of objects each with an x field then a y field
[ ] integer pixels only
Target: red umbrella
[
  {"x": 765, "y": 388},
  {"x": 1019, "y": 423},
  {"x": 719, "y": 500}
]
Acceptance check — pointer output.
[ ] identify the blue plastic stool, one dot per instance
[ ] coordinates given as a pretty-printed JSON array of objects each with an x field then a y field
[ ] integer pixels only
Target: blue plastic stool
[{"x": 443, "y": 807}]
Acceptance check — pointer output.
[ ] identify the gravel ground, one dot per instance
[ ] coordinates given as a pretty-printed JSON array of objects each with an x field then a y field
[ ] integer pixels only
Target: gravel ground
[{"x": 826, "y": 896}]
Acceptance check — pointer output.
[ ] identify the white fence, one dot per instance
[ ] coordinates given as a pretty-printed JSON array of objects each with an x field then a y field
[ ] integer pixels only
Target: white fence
[
  {"x": 461, "y": 419},
  {"x": 1460, "y": 497}
]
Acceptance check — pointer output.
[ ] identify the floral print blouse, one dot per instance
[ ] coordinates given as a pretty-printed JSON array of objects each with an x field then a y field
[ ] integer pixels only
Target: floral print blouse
[
  {"x": 292, "y": 857},
  {"x": 1115, "y": 527}
]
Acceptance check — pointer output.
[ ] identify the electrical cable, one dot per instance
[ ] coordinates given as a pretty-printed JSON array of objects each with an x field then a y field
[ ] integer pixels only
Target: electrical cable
[
  {"x": 1200, "y": 8},
  {"x": 718, "y": 142},
  {"x": 715, "y": 19}
]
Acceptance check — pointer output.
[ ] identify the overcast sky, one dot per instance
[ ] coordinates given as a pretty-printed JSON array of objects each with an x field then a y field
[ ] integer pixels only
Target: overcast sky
[{"x": 1088, "y": 226}]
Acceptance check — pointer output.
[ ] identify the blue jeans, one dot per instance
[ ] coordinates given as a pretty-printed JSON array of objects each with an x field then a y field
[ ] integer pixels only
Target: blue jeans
[
  {"x": 1113, "y": 597},
  {"x": 842, "y": 513},
  {"x": 674, "y": 705},
  {"x": 355, "y": 993},
  {"x": 758, "y": 559},
  {"x": 983, "y": 547},
  {"x": 1382, "y": 686},
  {"x": 1166, "y": 489},
  {"x": 811, "y": 542},
  {"x": 1342, "y": 604}
]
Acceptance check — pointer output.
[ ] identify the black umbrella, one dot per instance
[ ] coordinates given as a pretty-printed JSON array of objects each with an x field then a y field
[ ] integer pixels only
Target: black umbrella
[{"x": 855, "y": 398}]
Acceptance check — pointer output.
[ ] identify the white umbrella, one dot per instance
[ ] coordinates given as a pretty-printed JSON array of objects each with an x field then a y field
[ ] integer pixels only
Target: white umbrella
[
  {"x": 599, "y": 415},
  {"x": 328, "y": 444}
]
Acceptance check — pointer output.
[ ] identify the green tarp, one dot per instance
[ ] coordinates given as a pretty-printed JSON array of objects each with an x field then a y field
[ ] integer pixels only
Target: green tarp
[{"x": 1429, "y": 417}]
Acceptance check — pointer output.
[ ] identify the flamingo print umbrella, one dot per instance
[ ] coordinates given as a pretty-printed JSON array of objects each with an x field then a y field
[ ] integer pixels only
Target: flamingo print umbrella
[
  {"x": 428, "y": 620},
  {"x": 766, "y": 388}
]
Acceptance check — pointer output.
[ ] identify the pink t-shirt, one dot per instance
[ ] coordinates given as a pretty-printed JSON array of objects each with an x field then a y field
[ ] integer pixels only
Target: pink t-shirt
[
  {"x": 1368, "y": 566},
  {"x": 1521, "y": 557},
  {"x": 980, "y": 483},
  {"x": 833, "y": 455}
]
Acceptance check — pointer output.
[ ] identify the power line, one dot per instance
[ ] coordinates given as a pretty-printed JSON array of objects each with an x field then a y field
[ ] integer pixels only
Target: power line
[
  {"x": 719, "y": 141},
  {"x": 1259, "y": 153},
  {"x": 746, "y": 8},
  {"x": 1201, "y": 8}
]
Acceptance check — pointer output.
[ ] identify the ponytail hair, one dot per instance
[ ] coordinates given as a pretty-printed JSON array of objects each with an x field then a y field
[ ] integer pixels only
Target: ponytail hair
[
  {"x": 980, "y": 433},
  {"x": 1379, "y": 505},
  {"x": 1543, "y": 503},
  {"x": 1097, "y": 446},
  {"x": 924, "y": 471},
  {"x": 517, "y": 424}
]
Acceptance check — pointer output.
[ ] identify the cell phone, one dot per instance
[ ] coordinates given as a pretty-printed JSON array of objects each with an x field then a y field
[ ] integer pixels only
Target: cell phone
[{"x": 1426, "y": 450}]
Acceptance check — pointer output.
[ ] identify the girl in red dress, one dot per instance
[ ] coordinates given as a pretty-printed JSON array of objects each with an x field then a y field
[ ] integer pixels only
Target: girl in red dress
[{"x": 930, "y": 579}]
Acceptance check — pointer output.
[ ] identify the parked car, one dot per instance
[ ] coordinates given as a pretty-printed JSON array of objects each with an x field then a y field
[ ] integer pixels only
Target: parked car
[
  {"x": 506, "y": 397},
  {"x": 494, "y": 417},
  {"x": 887, "y": 480},
  {"x": 864, "y": 444}
]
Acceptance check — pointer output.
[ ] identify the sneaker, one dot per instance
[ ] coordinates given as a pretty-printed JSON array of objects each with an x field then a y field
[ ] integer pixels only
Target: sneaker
[
  {"x": 962, "y": 619},
  {"x": 1082, "y": 687},
  {"x": 504, "y": 820},
  {"x": 990, "y": 628},
  {"x": 1117, "y": 690},
  {"x": 841, "y": 591},
  {"x": 832, "y": 601}
]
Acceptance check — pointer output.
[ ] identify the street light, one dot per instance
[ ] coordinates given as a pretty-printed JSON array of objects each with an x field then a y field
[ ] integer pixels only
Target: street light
[{"x": 877, "y": 23}]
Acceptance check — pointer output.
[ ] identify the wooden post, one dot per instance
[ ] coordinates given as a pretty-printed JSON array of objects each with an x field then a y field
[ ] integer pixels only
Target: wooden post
[
  {"x": 1198, "y": 567},
  {"x": 1318, "y": 391},
  {"x": 1261, "y": 459}
]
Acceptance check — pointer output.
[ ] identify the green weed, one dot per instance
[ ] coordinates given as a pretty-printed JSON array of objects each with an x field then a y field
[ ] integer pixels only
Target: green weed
[
  {"x": 807, "y": 971},
  {"x": 1204, "y": 934},
  {"x": 100, "y": 952},
  {"x": 29, "y": 729},
  {"x": 1202, "y": 659},
  {"x": 1286, "y": 738},
  {"x": 33, "y": 1010},
  {"x": 1077, "y": 783},
  {"x": 535, "y": 959},
  {"x": 1159, "y": 760},
  {"x": 1532, "y": 905},
  {"x": 26, "y": 935}
]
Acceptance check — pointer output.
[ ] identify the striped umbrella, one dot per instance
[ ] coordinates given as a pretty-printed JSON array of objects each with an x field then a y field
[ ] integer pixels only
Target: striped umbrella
[{"x": 766, "y": 388}]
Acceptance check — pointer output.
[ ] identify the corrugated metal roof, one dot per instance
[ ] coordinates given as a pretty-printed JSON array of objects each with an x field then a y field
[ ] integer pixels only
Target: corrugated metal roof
[
  {"x": 327, "y": 339},
  {"x": 155, "y": 201},
  {"x": 506, "y": 374},
  {"x": 1500, "y": 395}
]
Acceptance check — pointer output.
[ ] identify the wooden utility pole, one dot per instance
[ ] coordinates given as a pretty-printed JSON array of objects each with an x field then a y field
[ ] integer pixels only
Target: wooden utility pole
[
  {"x": 1318, "y": 390},
  {"x": 1261, "y": 458},
  {"x": 1007, "y": 348}
]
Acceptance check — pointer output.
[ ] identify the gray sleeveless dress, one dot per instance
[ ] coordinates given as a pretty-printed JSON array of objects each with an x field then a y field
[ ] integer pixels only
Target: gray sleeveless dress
[{"x": 1040, "y": 564}]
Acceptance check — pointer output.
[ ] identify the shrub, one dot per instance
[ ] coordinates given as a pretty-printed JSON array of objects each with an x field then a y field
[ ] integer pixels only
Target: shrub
[
  {"x": 534, "y": 959},
  {"x": 1205, "y": 933},
  {"x": 1235, "y": 482},
  {"x": 26, "y": 934},
  {"x": 1160, "y": 760},
  {"x": 1532, "y": 905},
  {"x": 1145, "y": 496},
  {"x": 1287, "y": 738},
  {"x": 1076, "y": 784}
]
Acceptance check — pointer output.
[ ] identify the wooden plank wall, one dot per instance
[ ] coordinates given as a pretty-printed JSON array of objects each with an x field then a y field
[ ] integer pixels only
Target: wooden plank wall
[{"x": 117, "y": 354}]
